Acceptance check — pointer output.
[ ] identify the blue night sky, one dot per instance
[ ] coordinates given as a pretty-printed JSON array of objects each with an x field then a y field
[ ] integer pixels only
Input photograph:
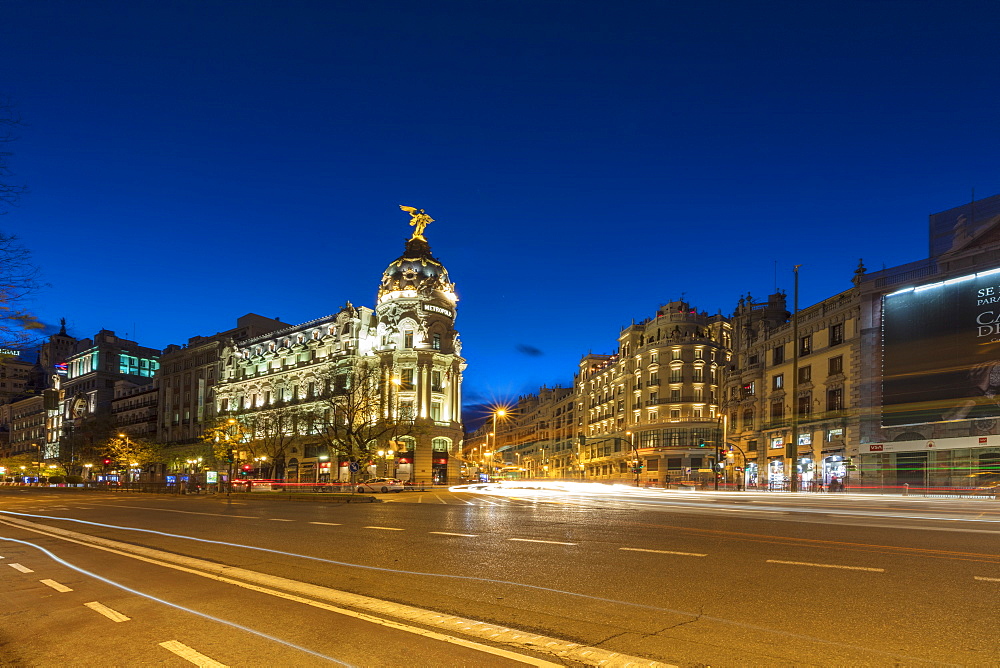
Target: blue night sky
[{"x": 585, "y": 162}]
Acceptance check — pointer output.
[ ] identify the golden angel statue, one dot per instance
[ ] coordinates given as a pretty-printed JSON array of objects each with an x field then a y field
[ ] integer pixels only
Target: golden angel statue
[{"x": 418, "y": 219}]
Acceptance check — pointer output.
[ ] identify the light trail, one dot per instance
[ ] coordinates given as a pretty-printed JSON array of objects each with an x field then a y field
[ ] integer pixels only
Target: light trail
[
  {"x": 176, "y": 606},
  {"x": 694, "y": 616}
]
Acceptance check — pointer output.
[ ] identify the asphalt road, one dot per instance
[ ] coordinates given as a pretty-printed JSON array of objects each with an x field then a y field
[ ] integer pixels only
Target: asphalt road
[{"x": 499, "y": 577}]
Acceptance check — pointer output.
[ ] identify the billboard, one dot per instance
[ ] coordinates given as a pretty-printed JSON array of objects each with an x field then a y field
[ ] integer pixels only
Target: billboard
[{"x": 941, "y": 351}]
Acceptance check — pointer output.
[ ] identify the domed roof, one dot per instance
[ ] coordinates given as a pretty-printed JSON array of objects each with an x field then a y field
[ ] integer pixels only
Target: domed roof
[{"x": 415, "y": 270}]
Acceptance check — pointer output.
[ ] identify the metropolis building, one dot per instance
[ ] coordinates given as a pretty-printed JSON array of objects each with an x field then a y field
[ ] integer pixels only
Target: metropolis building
[{"x": 410, "y": 335}]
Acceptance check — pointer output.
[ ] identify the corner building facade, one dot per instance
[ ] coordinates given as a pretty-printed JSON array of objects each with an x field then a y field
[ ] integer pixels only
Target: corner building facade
[
  {"x": 410, "y": 333},
  {"x": 652, "y": 410}
]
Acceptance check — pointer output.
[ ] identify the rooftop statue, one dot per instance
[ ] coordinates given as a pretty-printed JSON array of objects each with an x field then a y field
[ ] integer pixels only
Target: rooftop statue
[{"x": 418, "y": 219}]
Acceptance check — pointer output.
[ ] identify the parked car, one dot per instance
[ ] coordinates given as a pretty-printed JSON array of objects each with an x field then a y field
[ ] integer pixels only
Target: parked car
[{"x": 383, "y": 485}]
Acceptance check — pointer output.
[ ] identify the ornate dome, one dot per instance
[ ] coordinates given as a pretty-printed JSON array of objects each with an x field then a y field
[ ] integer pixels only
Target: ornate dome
[{"x": 415, "y": 272}]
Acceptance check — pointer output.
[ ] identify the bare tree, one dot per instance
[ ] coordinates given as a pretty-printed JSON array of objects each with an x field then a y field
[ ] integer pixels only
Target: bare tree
[
  {"x": 10, "y": 121},
  {"x": 18, "y": 276},
  {"x": 245, "y": 436},
  {"x": 357, "y": 414}
]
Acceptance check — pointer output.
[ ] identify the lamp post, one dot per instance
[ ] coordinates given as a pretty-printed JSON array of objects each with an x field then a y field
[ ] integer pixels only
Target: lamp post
[
  {"x": 128, "y": 455},
  {"x": 38, "y": 457},
  {"x": 230, "y": 445},
  {"x": 497, "y": 413},
  {"x": 635, "y": 456}
]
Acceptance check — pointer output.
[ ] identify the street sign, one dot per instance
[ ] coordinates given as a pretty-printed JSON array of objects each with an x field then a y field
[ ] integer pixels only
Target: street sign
[{"x": 354, "y": 467}]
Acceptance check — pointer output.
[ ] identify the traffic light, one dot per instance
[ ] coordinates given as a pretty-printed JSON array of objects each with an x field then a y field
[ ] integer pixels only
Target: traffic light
[
  {"x": 247, "y": 468},
  {"x": 230, "y": 456},
  {"x": 583, "y": 441},
  {"x": 701, "y": 443},
  {"x": 106, "y": 461}
]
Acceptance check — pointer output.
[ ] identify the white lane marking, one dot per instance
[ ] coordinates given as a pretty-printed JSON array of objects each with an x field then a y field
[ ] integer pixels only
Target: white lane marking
[
  {"x": 440, "y": 499},
  {"x": 386, "y": 528},
  {"x": 846, "y": 568},
  {"x": 279, "y": 519},
  {"x": 463, "y": 535},
  {"x": 55, "y": 585},
  {"x": 113, "y": 615},
  {"x": 328, "y": 524},
  {"x": 190, "y": 512},
  {"x": 979, "y": 577},
  {"x": 3, "y": 557},
  {"x": 195, "y": 657},
  {"x": 420, "y": 499},
  {"x": 532, "y": 540},
  {"x": 19, "y": 567},
  {"x": 684, "y": 554}
]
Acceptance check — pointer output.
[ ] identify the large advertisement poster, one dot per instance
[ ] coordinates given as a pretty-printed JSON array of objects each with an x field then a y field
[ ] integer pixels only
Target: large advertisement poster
[{"x": 941, "y": 351}]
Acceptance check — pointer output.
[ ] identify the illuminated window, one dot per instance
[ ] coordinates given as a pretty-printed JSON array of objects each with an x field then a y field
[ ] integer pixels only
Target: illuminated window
[
  {"x": 436, "y": 342},
  {"x": 440, "y": 444},
  {"x": 835, "y": 399},
  {"x": 699, "y": 354},
  {"x": 436, "y": 381},
  {"x": 675, "y": 354},
  {"x": 778, "y": 381},
  {"x": 436, "y": 411},
  {"x": 406, "y": 379},
  {"x": 805, "y": 344},
  {"x": 408, "y": 338}
]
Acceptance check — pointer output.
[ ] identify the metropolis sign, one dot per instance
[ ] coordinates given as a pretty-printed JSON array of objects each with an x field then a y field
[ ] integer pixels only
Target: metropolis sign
[{"x": 941, "y": 351}]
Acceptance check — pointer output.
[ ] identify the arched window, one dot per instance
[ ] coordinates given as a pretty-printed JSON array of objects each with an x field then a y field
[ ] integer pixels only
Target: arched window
[
  {"x": 440, "y": 444},
  {"x": 406, "y": 443}
]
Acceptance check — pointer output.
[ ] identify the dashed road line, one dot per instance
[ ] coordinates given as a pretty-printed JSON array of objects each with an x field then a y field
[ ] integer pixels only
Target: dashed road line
[
  {"x": 846, "y": 568},
  {"x": 985, "y": 579},
  {"x": 56, "y": 585},
  {"x": 440, "y": 499},
  {"x": 386, "y": 528},
  {"x": 189, "y": 654},
  {"x": 683, "y": 554},
  {"x": 532, "y": 540},
  {"x": 19, "y": 567},
  {"x": 328, "y": 524},
  {"x": 113, "y": 615},
  {"x": 463, "y": 535},
  {"x": 279, "y": 519}
]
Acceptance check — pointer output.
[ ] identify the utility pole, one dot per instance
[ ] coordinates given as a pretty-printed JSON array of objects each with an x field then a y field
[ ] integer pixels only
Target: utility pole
[{"x": 792, "y": 448}]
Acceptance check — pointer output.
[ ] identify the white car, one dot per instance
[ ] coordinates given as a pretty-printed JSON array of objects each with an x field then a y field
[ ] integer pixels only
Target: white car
[{"x": 383, "y": 485}]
